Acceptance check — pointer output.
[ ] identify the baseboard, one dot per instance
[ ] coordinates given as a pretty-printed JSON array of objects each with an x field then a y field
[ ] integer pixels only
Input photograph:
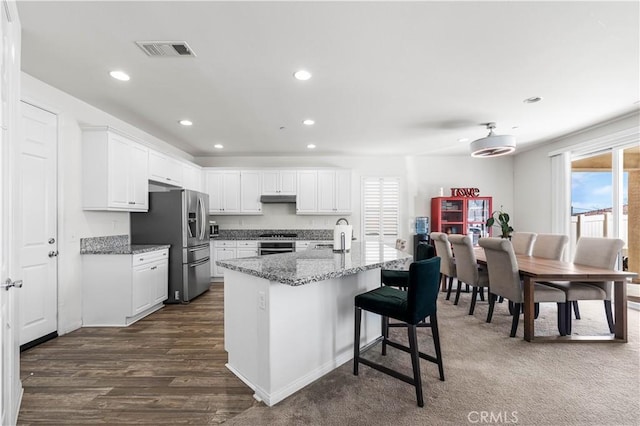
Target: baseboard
[{"x": 38, "y": 341}]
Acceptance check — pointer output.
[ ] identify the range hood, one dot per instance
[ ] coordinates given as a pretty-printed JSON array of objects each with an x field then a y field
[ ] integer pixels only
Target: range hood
[{"x": 277, "y": 198}]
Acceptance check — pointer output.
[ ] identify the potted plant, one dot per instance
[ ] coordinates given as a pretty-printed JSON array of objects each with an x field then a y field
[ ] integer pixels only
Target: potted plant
[{"x": 502, "y": 223}]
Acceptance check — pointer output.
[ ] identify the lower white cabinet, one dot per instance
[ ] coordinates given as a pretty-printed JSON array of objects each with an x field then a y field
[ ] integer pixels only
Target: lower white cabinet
[
  {"x": 230, "y": 249},
  {"x": 247, "y": 249},
  {"x": 222, "y": 249},
  {"x": 119, "y": 289},
  {"x": 303, "y": 245}
]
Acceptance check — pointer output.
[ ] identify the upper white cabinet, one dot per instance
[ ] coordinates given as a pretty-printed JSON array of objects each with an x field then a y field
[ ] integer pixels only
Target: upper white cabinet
[
  {"x": 250, "y": 185},
  {"x": 164, "y": 169},
  {"x": 223, "y": 188},
  {"x": 334, "y": 191},
  {"x": 191, "y": 177},
  {"x": 115, "y": 170},
  {"x": 280, "y": 182},
  {"x": 307, "y": 197},
  {"x": 321, "y": 191}
]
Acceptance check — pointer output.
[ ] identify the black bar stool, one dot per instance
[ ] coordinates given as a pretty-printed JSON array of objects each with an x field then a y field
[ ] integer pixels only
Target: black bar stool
[{"x": 410, "y": 307}]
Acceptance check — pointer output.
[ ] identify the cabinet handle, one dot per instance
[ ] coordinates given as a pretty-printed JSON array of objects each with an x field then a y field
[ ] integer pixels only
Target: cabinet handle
[
  {"x": 154, "y": 267},
  {"x": 141, "y": 259},
  {"x": 132, "y": 202},
  {"x": 168, "y": 178}
]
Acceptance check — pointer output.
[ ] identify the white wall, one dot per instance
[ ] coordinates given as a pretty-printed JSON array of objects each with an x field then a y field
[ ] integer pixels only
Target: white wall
[
  {"x": 73, "y": 222},
  {"x": 532, "y": 178}
]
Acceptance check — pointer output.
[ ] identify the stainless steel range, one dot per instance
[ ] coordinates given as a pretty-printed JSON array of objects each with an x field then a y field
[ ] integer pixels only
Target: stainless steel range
[{"x": 278, "y": 245}]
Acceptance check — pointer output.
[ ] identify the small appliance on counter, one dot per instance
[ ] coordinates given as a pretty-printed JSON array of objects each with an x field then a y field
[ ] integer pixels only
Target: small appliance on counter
[
  {"x": 342, "y": 236},
  {"x": 214, "y": 231}
]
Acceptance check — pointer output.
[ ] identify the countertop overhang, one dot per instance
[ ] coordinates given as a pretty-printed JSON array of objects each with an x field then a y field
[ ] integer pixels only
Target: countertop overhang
[{"x": 314, "y": 264}]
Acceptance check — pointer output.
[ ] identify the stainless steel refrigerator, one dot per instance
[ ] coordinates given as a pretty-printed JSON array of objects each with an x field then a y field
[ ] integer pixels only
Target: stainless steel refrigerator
[{"x": 179, "y": 218}]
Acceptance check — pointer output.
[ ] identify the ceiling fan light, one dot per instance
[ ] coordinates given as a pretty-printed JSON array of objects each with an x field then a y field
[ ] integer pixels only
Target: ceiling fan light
[{"x": 493, "y": 146}]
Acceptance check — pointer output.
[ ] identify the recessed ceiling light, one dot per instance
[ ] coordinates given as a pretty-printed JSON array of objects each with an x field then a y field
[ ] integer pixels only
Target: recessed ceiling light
[
  {"x": 532, "y": 100},
  {"x": 463, "y": 140},
  {"x": 218, "y": 146},
  {"x": 120, "y": 75},
  {"x": 186, "y": 122},
  {"x": 311, "y": 146},
  {"x": 308, "y": 122},
  {"x": 302, "y": 75}
]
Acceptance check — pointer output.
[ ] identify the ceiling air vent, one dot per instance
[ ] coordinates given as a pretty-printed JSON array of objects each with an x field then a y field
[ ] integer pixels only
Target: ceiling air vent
[{"x": 165, "y": 48}]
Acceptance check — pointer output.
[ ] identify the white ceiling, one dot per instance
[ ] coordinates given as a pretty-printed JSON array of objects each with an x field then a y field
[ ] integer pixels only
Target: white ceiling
[{"x": 388, "y": 77}]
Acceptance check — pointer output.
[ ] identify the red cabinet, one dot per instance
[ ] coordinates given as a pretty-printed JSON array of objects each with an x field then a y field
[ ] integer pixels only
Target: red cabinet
[{"x": 461, "y": 215}]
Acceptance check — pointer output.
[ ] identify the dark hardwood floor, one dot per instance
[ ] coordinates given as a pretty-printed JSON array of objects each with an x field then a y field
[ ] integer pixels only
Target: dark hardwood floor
[{"x": 166, "y": 368}]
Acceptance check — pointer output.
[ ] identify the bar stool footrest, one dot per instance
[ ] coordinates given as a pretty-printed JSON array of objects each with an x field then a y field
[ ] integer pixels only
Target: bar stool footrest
[
  {"x": 407, "y": 350},
  {"x": 387, "y": 370}
]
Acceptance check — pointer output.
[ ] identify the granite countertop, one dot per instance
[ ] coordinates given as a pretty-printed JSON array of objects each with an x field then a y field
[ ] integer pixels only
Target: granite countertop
[
  {"x": 254, "y": 234},
  {"x": 116, "y": 244},
  {"x": 314, "y": 264},
  {"x": 128, "y": 249}
]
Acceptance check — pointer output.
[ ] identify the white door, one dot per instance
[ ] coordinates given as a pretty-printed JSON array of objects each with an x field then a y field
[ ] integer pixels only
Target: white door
[
  {"x": 36, "y": 224},
  {"x": 10, "y": 384},
  {"x": 9, "y": 355}
]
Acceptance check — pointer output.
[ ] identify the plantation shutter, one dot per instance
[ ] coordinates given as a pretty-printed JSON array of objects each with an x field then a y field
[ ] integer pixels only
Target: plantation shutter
[{"x": 381, "y": 201}]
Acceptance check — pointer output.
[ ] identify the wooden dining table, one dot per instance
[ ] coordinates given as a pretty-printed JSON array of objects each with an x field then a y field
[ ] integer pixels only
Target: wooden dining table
[{"x": 536, "y": 269}]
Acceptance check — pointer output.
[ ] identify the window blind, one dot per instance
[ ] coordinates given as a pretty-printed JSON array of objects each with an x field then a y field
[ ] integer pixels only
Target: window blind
[{"x": 381, "y": 201}]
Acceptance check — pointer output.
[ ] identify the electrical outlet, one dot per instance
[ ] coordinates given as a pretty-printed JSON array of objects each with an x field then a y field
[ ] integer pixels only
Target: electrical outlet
[
  {"x": 262, "y": 300},
  {"x": 177, "y": 295}
]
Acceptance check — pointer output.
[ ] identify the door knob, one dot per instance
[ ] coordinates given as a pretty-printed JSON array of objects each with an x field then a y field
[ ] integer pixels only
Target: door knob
[
  {"x": 8, "y": 284},
  {"x": 53, "y": 253},
  {"x": 52, "y": 240}
]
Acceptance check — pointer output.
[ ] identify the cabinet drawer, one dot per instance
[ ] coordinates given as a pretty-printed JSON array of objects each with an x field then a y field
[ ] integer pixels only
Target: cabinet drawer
[
  {"x": 148, "y": 257},
  {"x": 225, "y": 243},
  {"x": 245, "y": 244}
]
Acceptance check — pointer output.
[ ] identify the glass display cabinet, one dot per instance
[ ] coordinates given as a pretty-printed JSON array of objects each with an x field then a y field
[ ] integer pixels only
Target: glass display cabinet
[{"x": 461, "y": 215}]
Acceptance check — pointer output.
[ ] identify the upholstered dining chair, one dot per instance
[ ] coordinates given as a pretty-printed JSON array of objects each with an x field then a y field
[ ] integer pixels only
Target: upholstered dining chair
[
  {"x": 599, "y": 253},
  {"x": 467, "y": 270},
  {"x": 550, "y": 246},
  {"x": 504, "y": 278},
  {"x": 523, "y": 242},
  {"x": 447, "y": 264},
  {"x": 411, "y": 307}
]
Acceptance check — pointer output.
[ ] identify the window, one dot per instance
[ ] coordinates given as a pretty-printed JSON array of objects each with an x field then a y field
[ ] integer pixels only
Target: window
[{"x": 381, "y": 211}]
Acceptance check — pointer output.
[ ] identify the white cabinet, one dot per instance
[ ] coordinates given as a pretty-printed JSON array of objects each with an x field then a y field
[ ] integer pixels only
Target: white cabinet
[
  {"x": 334, "y": 191},
  {"x": 223, "y": 249},
  {"x": 304, "y": 245},
  {"x": 164, "y": 169},
  {"x": 114, "y": 171},
  {"x": 280, "y": 182},
  {"x": 307, "y": 199},
  {"x": 223, "y": 188},
  {"x": 191, "y": 177},
  {"x": 250, "y": 187},
  {"x": 324, "y": 192},
  {"x": 120, "y": 289},
  {"x": 247, "y": 249}
]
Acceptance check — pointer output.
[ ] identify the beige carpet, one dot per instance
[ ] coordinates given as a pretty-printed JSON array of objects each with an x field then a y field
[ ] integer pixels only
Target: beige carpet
[{"x": 490, "y": 378}]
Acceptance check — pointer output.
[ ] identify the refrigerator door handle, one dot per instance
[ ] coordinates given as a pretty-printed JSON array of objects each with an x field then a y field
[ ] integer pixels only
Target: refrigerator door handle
[
  {"x": 193, "y": 265},
  {"x": 203, "y": 223}
]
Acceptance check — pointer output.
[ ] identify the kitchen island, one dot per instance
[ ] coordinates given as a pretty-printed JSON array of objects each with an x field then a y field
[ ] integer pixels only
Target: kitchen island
[{"x": 288, "y": 318}]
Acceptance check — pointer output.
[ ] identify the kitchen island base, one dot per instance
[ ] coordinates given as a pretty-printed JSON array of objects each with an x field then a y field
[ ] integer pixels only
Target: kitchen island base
[{"x": 280, "y": 338}]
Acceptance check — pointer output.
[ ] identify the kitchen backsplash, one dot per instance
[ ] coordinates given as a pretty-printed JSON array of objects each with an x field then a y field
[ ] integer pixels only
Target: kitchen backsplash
[
  {"x": 277, "y": 216},
  {"x": 302, "y": 234}
]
